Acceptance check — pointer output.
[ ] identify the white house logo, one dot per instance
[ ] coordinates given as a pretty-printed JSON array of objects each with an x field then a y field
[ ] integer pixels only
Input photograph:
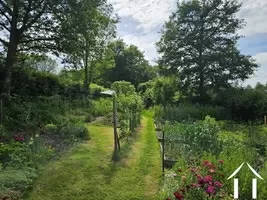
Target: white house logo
[{"x": 254, "y": 181}]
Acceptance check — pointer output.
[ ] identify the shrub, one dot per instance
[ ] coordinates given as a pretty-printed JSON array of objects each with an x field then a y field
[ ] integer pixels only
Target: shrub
[
  {"x": 73, "y": 131},
  {"x": 14, "y": 181},
  {"x": 190, "y": 112},
  {"x": 101, "y": 107},
  {"x": 244, "y": 104}
]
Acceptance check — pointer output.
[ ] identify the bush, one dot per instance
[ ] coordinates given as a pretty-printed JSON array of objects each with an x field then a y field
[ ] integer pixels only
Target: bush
[
  {"x": 13, "y": 181},
  {"x": 67, "y": 130},
  {"x": 244, "y": 104},
  {"x": 101, "y": 107},
  {"x": 190, "y": 112}
]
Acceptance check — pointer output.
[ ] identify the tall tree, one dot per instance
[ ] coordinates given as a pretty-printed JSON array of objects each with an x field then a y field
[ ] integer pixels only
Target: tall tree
[
  {"x": 25, "y": 25},
  {"x": 87, "y": 28},
  {"x": 199, "y": 44},
  {"x": 130, "y": 65}
]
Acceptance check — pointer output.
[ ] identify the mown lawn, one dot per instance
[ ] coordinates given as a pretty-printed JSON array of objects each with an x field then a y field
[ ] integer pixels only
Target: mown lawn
[{"x": 87, "y": 172}]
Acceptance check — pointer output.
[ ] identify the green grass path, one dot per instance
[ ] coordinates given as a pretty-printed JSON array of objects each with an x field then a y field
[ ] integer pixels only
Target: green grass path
[{"x": 87, "y": 171}]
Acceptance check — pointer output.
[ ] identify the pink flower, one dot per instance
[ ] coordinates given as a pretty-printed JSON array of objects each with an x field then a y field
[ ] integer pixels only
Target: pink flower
[
  {"x": 19, "y": 138},
  {"x": 201, "y": 181},
  {"x": 178, "y": 195},
  {"x": 218, "y": 184},
  {"x": 208, "y": 179},
  {"x": 205, "y": 162},
  {"x": 210, "y": 190}
]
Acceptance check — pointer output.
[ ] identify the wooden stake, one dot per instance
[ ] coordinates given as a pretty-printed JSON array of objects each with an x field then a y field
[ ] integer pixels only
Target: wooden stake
[{"x": 265, "y": 120}]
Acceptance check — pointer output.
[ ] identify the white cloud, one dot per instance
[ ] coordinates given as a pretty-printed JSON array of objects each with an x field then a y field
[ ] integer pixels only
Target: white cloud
[
  {"x": 261, "y": 73},
  {"x": 144, "y": 42},
  {"x": 254, "y": 12},
  {"x": 148, "y": 13}
]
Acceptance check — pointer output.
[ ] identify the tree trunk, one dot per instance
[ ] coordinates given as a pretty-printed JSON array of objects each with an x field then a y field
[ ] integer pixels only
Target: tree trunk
[
  {"x": 201, "y": 86},
  {"x": 90, "y": 76},
  {"x": 201, "y": 64},
  {"x": 12, "y": 49},
  {"x": 86, "y": 80}
]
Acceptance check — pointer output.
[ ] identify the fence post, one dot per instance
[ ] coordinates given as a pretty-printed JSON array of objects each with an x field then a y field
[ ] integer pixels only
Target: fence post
[{"x": 163, "y": 139}]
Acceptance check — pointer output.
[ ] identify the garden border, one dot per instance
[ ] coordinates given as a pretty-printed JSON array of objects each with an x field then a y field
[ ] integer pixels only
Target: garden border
[{"x": 167, "y": 163}]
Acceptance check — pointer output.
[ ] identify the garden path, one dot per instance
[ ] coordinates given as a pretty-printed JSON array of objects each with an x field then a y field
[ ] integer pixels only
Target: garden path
[{"x": 87, "y": 172}]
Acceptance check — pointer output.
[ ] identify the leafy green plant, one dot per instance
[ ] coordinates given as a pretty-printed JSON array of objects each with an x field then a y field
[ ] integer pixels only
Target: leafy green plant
[
  {"x": 14, "y": 181},
  {"x": 190, "y": 112},
  {"x": 192, "y": 139}
]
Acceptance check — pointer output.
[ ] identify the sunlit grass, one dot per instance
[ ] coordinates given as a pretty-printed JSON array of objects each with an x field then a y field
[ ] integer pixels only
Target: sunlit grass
[{"x": 87, "y": 172}]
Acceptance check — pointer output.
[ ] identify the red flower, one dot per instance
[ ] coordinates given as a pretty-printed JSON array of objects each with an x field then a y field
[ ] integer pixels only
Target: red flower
[
  {"x": 201, "y": 181},
  {"x": 205, "y": 162},
  {"x": 19, "y": 138},
  {"x": 210, "y": 190},
  {"x": 208, "y": 179},
  {"x": 221, "y": 161},
  {"x": 178, "y": 195},
  {"x": 218, "y": 184}
]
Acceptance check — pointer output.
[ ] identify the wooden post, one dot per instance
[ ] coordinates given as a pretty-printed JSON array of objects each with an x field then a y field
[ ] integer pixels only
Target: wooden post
[
  {"x": 115, "y": 125},
  {"x": 265, "y": 120},
  {"x": 163, "y": 138}
]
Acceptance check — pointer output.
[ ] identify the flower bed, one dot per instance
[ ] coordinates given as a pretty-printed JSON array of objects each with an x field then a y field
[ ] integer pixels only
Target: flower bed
[{"x": 203, "y": 154}]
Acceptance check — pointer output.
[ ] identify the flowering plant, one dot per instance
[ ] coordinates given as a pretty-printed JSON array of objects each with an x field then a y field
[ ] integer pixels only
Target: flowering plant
[{"x": 200, "y": 182}]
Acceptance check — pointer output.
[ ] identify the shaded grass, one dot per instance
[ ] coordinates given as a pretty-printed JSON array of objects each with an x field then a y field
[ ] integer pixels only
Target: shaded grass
[{"x": 87, "y": 171}]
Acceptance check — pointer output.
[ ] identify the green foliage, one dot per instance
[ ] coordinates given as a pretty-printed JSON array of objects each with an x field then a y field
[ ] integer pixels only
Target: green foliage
[
  {"x": 130, "y": 65},
  {"x": 190, "y": 112},
  {"x": 13, "y": 180},
  {"x": 223, "y": 164},
  {"x": 245, "y": 104},
  {"x": 166, "y": 90},
  {"x": 101, "y": 107},
  {"x": 86, "y": 29},
  {"x": 197, "y": 44},
  {"x": 190, "y": 140},
  {"x": 129, "y": 107},
  {"x": 96, "y": 89},
  {"x": 66, "y": 130}
]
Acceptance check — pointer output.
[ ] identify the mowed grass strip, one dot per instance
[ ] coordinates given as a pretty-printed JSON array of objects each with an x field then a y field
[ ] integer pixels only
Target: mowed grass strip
[{"x": 87, "y": 171}]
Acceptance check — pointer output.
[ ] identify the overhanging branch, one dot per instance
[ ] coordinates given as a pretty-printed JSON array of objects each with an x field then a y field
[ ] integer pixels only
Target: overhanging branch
[{"x": 5, "y": 43}]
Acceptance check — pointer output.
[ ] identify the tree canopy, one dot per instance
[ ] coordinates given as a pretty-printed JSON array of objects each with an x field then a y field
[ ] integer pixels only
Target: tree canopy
[{"x": 198, "y": 43}]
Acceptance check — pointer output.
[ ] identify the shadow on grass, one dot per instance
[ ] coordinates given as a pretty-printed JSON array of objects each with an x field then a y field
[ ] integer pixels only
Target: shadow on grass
[{"x": 120, "y": 156}]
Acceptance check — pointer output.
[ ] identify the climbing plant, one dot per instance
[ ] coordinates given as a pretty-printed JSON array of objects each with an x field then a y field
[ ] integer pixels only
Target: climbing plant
[{"x": 129, "y": 106}]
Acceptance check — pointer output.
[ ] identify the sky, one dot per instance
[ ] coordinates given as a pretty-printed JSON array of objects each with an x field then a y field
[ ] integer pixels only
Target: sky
[{"x": 142, "y": 20}]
